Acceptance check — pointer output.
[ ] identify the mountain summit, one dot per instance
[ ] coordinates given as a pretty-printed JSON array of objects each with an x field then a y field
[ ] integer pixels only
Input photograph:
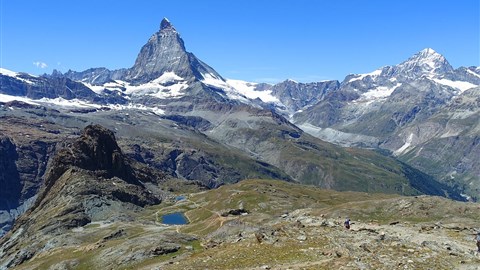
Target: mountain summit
[
  {"x": 165, "y": 52},
  {"x": 165, "y": 24},
  {"x": 426, "y": 62}
]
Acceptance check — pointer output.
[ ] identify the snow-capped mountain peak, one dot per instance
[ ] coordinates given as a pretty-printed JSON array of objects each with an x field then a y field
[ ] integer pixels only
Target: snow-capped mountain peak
[{"x": 427, "y": 62}]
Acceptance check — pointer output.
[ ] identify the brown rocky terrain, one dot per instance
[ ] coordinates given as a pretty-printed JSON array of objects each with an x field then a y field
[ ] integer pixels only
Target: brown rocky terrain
[
  {"x": 258, "y": 224},
  {"x": 88, "y": 179}
]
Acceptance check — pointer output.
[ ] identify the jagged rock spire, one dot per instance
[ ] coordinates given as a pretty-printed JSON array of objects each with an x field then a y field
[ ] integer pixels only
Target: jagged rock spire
[
  {"x": 166, "y": 24},
  {"x": 165, "y": 52}
]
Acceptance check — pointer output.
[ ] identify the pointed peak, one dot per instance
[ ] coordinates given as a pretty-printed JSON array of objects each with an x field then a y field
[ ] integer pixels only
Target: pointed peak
[
  {"x": 428, "y": 51},
  {"x": 166, "y": 24},
  {"x": 426, "y": 55},
  {"x": 426, "y": 62}
]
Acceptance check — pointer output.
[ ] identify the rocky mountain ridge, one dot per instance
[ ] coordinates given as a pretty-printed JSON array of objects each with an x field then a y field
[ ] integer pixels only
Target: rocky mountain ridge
[
  {"x": 87, "y": 180},
  {"x": 393, "y": 108}
]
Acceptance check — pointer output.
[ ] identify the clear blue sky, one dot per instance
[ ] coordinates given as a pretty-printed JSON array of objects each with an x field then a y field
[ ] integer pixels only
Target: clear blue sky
[{"x": 253, "y": 40}]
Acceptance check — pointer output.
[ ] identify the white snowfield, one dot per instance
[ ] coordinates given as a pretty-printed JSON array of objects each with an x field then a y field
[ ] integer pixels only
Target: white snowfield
[
  {"x": 168, "y": 85},
  {"x": 459, "y": 85},
  {"x": 361, "y": 76},
  {"x": 15, "y": 75},
  {"x": 248, "y": 89},
  {"x": 378, "y": 93},
  {"x": 405, "y": 146},
  {"x": 76, "y": 103}
]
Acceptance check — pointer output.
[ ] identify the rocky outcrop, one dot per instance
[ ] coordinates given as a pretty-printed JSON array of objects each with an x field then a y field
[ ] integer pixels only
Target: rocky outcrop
[
  {"x": 22, "y": 166},
  {"x": 9, "y": 176},
  {"x": 97, "y": 152},
  {"x": 95, "y": 76},
  {"x": 89, "y": 179},
  {"x": 10, "y": 182},
  {"x": 296, "y": 96}
]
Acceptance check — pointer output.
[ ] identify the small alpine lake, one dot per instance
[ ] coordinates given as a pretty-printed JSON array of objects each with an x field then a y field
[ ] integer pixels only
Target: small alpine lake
[{"x": 176, "y": 218}]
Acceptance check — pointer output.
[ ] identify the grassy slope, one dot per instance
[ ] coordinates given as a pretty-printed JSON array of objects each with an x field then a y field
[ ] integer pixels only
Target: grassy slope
[{"x": 229, "y": 242}]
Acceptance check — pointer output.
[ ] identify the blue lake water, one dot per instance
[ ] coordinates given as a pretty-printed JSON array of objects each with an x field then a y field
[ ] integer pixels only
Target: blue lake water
[
  {"x": 176, "y": 218},
  {"x": 180, "y": 198}
]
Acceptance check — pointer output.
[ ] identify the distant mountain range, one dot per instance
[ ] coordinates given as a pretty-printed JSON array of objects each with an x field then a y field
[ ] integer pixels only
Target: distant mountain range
[{"x": 383, "y": 109}]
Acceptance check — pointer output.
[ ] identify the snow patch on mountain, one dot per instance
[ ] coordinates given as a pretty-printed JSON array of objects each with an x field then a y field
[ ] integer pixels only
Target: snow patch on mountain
[
  {"x": 168, "y": 77},
  {"x": 405, "y": 146},
  {"x": 380, "y": 92},
  {"x": 95, "y": 88},
  {"x": 473, "y": 73},
  {"x": 15, "y": 75},
  {"x": 339, "y": 137},
  {"x": 232, "y": 93},
  {"x": 361, "y": 76},
  {"x": 8, "y": 73},
  {"x": 248, "y": 89},
  {"x": 116, "y": 85},
  {"x": 7, "y": 98},
  {"x": 212, "y": 80},
  {"x": 49, "y": 102},
  {"x": 133, "y": 106},
  {"x": 76, "y": 103},
  {"x": 168, "y": 85},
  {"x": 459, "y": 85}
]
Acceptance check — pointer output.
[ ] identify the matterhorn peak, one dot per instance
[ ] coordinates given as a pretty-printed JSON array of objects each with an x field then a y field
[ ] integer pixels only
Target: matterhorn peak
[
  {"x": 166, "y": 24},
  {"x": 165, "y": 52}
]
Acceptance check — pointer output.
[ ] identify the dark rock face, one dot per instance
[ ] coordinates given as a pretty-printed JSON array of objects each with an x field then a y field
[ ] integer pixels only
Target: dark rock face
[
  {"x": 9, "y": 177},
  {"x": 298, "y": 95},
  {"x": 21, "y": 170},
  {"x": 95, "y": 150},
  {"x": 195, "y": 122},
  {"x": 470, "y": 74},
  {"x": 96, "y": 76},
  {"x": 42, "y": 87},
  {"x": 165, "y": 52}
]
